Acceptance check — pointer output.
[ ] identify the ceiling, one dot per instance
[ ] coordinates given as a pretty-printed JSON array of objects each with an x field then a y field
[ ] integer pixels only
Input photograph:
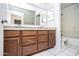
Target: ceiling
[
  {"x": 45, "y": 6},
  {"x": 65, "y": 5},
  {"x": 50, "y": 6}
]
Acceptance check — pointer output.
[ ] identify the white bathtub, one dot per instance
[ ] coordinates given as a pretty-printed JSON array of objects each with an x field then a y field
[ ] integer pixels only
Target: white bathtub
[{"x": 70, "y": 41}]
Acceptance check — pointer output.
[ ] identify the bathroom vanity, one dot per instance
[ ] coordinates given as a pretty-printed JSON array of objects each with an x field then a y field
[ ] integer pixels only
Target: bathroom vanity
[
  {"x": 26, "y": 31},
  {"x": 28, "y": 41}
]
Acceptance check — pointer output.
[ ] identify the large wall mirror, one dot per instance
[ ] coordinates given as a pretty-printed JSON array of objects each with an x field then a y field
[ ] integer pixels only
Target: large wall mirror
[
  {"x": 25, "y": 16},
  {"x": 21, "y": 16}
]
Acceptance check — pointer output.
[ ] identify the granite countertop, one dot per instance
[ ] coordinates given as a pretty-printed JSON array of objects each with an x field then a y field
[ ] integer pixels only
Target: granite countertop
[{"x": 29, "y": 28}]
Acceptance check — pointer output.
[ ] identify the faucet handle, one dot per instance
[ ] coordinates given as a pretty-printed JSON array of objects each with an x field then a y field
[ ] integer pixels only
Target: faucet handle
[{"x": 3, "y": 21}]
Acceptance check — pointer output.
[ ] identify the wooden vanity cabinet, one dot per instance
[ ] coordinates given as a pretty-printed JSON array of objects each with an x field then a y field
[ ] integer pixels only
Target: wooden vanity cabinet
[{"x": 27, "y": 42}]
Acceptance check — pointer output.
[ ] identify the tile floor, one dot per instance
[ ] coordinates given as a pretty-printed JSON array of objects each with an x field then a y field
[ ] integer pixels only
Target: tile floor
[{"x": 66, "y": 51}]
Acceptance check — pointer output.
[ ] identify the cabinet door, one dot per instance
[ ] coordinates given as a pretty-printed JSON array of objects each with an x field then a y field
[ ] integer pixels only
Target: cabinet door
[
  {"x": 11, "y": 46},
  {"x": 51, "y": 40}
]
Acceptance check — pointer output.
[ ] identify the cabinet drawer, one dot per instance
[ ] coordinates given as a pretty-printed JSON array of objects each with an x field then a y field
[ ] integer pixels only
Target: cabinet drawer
[
  {"x": 52, "y": 31},
  {"x": 26, "y": 33},
  {"x": 42, "y": 46},
  {"x": 42, "y": 38},
  {"x": 29, "y": 49},
  {"x": 29, "y": 40},
  {"x": 11, "y": 33},
  {"x": 42, "y": 32}
]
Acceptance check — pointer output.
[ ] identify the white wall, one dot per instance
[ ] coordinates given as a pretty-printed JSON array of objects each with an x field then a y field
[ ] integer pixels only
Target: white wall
[
  {"x": 50, "y": 19},
  {"x": 70, "y": 21},
  {"x": 1, "y": 39},
  {"x": 1, "y": 30}
]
